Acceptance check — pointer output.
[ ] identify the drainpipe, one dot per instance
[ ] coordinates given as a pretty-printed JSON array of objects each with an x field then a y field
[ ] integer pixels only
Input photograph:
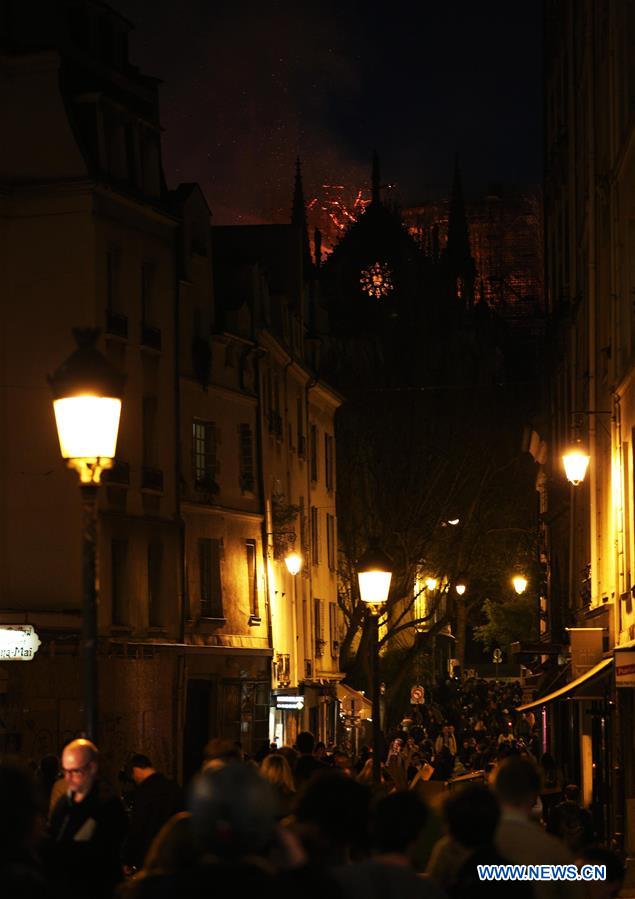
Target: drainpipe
[{"x": 265, "y": 527}]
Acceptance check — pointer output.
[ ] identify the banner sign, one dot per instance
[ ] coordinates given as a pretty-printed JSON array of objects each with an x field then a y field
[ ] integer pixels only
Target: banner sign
[{"x": 18, "y": 642}]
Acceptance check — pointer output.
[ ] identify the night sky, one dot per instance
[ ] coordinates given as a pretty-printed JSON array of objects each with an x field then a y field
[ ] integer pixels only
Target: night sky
[{"x": 250, "y": 85}]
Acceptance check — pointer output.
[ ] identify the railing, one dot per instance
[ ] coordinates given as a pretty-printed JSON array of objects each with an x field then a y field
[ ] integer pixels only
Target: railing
[
  {"x": 116, "y": 324},
  {"x": 151, "y": 479},
  {"x": 150, "y": 336}
]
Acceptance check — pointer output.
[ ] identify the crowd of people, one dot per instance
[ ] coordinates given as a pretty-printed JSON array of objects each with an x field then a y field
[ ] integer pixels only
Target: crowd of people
[{"x": 309, "y": 817}]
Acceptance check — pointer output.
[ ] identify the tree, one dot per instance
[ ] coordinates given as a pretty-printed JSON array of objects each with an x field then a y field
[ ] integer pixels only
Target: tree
[
  {"x": 506, "y": 622},
  {"x": 409, "y": 461}
]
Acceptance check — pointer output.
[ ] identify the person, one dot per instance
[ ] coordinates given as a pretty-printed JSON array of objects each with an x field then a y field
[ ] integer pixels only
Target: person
[
  {"x": 87, "y": 828},
  {"x": 307, "y": 764},
  {"x": 443, "y": 764},
  {"x": 276, "y": 770},
  {"x": 445, "y": 738},
  {"x": 521, "y": 840},
  {"x": 569, "y": 821},
  {"x": 155, "y": 800},
  {"x": 471, "y": 817},
  {"x": 21, "y": 873},
  {"x": 219, "y": 847},
  {"x": 219, "y": 751},
  {"x": 331, "y": 818},
  {"x": 398, "y": 824},
  {"x": 396, "y": 764},
  {"x": 47, "y": 775}
]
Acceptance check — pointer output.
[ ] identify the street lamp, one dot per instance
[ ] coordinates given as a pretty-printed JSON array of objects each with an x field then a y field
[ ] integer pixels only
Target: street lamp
[
  {"x": 431, "y": 583},
  {"x": 374, "y": 573},
  {"x": 520, "y": 583},
  {"x": 87, "y": 392},
  {"x": 576, "y": 462},
  {"x": 460, "y": 588},
  {"x": 293, "y": 561}
]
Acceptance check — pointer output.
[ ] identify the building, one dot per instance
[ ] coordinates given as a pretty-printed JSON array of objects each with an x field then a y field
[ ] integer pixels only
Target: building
[
  {"x": 88, "y": 238},
  {"x": 226, "y": 657},
  {"x": 587, "y": 712},
  {"x": 261, "y": 274},
  {"x": 223, "y": 416}
]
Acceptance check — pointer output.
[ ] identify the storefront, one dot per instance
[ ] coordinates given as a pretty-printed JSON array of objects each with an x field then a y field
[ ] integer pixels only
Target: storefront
[
  {"x": 577, "y": 721},
  {"x": 355, "y": 720}
]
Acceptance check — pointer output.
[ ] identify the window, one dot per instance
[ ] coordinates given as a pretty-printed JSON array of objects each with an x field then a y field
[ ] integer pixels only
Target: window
[
  {"x": 149, "y": 429},
  {"x": 319, "y": 627},
  {"x": 204, "y": 453},
  {"x": 328, "y": 461},
  {"x": 112, "y": 280},
  {"x": 210, "y": 589},
  {"x": 119, "y": 582},
  {"x": 330, "y": 541},
  {"x": 300, "y": 418},
  {"x": 315, "y": 536},
  {"x": 116, "y": 321},
  {"x": 155, "y": 584},
  {"x": 246, "y": 458},
  {"x": 147, "y": 293},
  {"x": 304, "y": 542},
  {"x": 334, "y": 630},
  {"x": 314, "y": 453},
  {"x": 252, "y": 582}
]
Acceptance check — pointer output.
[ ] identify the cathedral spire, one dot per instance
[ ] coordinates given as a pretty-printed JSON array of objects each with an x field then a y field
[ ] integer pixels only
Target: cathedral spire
[
  {"x": 298, "y": 216},
  {"x": 375, "y": 179}
]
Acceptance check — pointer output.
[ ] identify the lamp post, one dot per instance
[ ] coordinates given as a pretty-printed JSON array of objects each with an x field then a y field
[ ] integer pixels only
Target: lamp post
[
  {"x": 520, "y": 583},
  {"x": 374, "y": 573},
  {"x": 87, "y": 392}
]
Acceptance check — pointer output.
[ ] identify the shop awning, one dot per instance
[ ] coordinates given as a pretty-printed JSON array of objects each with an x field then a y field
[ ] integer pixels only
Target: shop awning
[
  {"x": 354, "y": 703},
  {"x": 571, "y": 688}
]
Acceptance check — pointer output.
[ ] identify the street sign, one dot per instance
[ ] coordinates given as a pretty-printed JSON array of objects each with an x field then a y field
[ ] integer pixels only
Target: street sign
[
  {"x": 417, "y": 695},
  {"x": 18, "y": 642}
]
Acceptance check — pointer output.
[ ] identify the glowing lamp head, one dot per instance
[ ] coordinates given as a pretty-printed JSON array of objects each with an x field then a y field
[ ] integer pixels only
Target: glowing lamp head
[
  {"x": 431, "y": 583},
  {"x": 576, "y": 462},
  {"x": 520, "y": 583},
  {"x": 87, "y": 393},
  {"x": 460, "y": 588},
  {"x": 293, "y": 561},
  {"x": 374, "y": 574}
]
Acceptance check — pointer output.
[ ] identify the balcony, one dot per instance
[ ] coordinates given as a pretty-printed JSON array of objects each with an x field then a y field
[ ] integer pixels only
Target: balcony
[
  {"x": 116, "y": 324},
  {"x": 118, "y": 475},
  {"x": 152, "y": 479},
  {"x": 150, "y": 337}
]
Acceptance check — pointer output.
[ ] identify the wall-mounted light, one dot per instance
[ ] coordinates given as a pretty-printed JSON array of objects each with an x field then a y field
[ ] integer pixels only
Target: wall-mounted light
[
  {"x": 293, "y": 561},
  {"x": 576, "y": 461}
]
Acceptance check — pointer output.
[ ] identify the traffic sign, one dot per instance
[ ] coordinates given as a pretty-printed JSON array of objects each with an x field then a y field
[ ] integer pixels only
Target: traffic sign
[{"x": 417, "y": 695}]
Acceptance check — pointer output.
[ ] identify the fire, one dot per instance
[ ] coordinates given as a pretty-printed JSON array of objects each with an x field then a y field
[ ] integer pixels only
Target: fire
[{"x": 336, "y": 207}]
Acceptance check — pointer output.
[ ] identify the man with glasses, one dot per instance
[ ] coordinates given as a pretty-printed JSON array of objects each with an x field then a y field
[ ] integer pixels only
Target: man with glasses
[{"x": 87, "y": 827}]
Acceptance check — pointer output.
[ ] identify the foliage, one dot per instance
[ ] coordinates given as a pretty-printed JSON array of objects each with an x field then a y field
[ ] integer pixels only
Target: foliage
[{"x": 508, "y": 621}]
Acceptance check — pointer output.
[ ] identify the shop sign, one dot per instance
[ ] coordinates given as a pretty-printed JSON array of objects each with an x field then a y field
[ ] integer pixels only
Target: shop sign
[
  {"x": 625, "y": 667},
  {"x": 290, "y": 701},
  {"x": 18, "y": 642}
]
